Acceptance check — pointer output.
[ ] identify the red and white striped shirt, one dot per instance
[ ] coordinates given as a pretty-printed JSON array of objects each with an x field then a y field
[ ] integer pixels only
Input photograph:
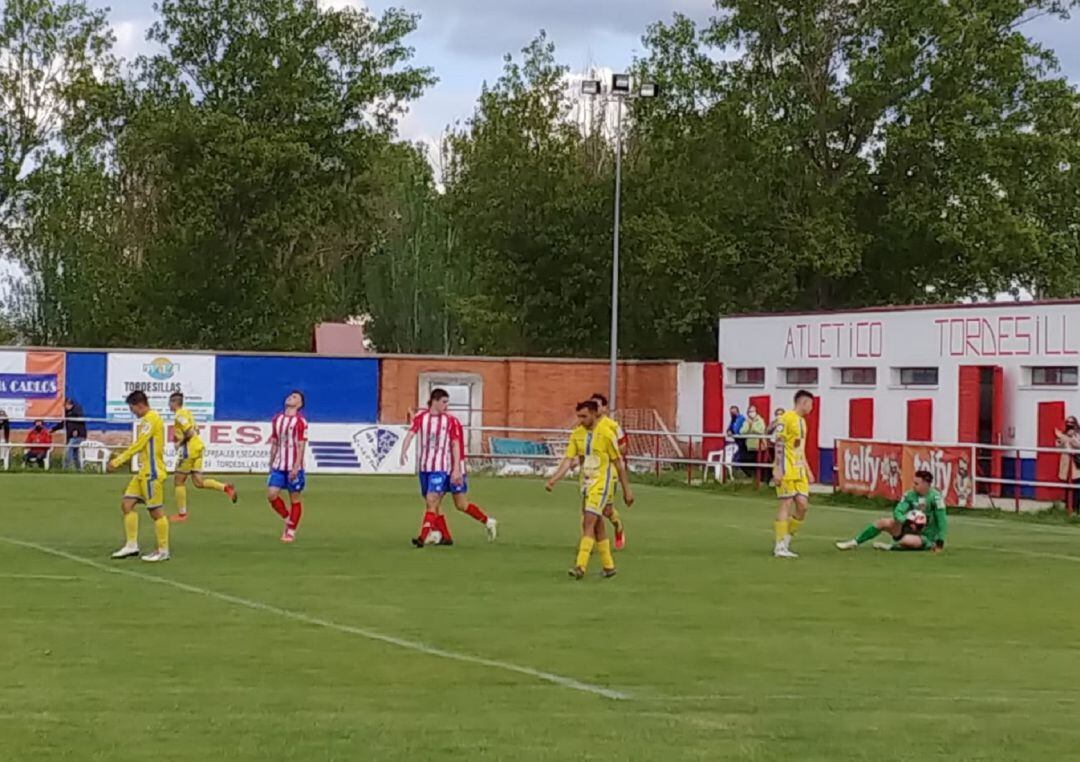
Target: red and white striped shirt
[
  {"x": 437, "y": 433},
  {"x": 288, "y": 431}
]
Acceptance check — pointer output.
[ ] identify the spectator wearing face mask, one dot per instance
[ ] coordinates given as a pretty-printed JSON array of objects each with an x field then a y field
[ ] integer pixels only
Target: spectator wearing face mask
[
  {"x": 36, "y": 456},
  {"x": 1069, "y": 467},
  {"x": 754, "y": 429}
]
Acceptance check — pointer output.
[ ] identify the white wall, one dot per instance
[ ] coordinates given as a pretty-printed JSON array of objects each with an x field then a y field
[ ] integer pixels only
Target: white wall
[
  {"x": 689, "y": 407},
  {"x": 1015, "y": 337}
]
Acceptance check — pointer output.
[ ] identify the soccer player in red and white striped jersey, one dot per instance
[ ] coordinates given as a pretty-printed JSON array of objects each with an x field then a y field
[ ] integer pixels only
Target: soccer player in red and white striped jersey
[
  {"x": 442, "y": 469},
  {"x": 288, "y": 444}
]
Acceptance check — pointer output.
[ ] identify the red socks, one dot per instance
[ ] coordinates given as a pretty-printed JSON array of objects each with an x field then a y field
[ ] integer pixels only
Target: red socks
[
  {"x": 427, "y": 525},
  {"x": 474, "y": 511},
  {"x": 294, "y": 515},
  {"x": 440, "y": 524},
  {"x": 279, "y": 507}
]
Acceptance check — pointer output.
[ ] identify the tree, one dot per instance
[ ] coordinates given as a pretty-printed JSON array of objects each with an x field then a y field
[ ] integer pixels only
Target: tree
[
  {"x": 233, "y": 181},
  {"x": 527, "y": 198},
  {"x": 852, "y": 154},
  {"x": 51, "y": 51}
]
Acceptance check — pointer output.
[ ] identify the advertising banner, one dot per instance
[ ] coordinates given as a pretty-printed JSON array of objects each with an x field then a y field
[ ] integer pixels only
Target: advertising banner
[
  {"x": 951, "y": 467},
  {"x": 870, "y": 468},
  {"x": 32, "y": 384},
  {"x": 881, "y": 469},
  {"x": 159, "y": 376},
  {"x": 333, "y": 448}
]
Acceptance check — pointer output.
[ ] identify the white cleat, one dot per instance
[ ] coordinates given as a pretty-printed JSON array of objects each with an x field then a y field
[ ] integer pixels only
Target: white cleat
[
  {"x": 128, "y": 551},
  {"x": 156, "y": 556},
  {"x": 782, "y": 551},
  {"x": 882, "y": 546},
  {"x": 847, "y": 545},
  {"x": 492, "y": 527}
]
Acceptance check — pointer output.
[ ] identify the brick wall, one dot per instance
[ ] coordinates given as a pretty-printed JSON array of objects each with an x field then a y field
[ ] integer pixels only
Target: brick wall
[{"x": 531, "y": 393}]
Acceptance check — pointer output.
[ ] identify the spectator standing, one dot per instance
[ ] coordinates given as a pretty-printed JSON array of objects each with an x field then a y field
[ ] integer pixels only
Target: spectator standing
[
  {"x": 771, "y": 430},
  {"x": 754, "y": 429},
  {"x": 5, "y": 427},
  {"x": 74, "y": 426},
  {"x": 36, "y": 456},
  {"x": 1069, "y": 468},
  {"x": 734, "y": 431}
]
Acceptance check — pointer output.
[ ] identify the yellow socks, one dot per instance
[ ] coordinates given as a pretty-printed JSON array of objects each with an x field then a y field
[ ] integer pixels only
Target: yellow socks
[
  {"x": 585, "y": 548},
  {"x": 614, "y": 517},
  {"x": 606, "y": 559},
  {"x": 213, "y": 484},
  {"x": 131, "y": 527},
  {"x": 780, "y": 530},
  {"x": 161, "y": 530},
  {"x": 181, "y": 498},
  {"x": 793, "y": 526}
]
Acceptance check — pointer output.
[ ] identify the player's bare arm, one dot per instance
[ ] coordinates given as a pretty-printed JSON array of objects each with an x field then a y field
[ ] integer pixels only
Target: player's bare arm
[
  {"x": 301, "y": 449},
  {"x": 456, "y": 457},
  {"x": 406, "y": 445},
  {"x": 624, "y": 480},
  {"x": 273, "y": 452},
  {"x": 564, "y": 468}
]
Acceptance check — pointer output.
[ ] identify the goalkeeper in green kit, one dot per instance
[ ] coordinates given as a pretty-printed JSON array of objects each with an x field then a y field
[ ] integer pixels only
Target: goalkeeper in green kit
[{"x": 918, "y": 522}]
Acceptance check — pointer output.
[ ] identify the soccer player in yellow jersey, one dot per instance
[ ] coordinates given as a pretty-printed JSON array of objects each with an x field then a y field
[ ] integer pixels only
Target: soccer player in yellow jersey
[
  {"x": 791, "y": 474},
  {"x": 611, "y": 513},
  {"x": 601, "y": 461},
  {"x": 189, "y": 457},
  {"x": 148, "y": 485}
]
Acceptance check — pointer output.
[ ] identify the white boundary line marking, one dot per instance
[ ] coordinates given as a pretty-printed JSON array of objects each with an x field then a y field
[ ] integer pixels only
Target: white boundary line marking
[{"x": 411, "y": 645}]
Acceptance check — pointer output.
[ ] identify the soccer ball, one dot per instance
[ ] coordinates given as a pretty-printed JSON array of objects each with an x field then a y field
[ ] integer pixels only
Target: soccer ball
[
  {"x": 916, "y": 518},
  {"x": 434, "y": 537}
]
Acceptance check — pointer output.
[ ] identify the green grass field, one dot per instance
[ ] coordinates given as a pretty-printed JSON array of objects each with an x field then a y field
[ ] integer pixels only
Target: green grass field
[{"x": 257, "y": 651}]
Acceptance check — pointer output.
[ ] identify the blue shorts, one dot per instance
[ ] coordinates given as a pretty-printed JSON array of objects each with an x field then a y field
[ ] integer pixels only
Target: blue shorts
[
  {"x": 280, "y": 479},
  {"x": 439, "y": 482}
]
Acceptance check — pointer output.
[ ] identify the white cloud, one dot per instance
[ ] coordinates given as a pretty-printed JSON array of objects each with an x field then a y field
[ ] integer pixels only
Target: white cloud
[
  {"x": 130, "y": 38},
  {"x": 341, "y": 5}
]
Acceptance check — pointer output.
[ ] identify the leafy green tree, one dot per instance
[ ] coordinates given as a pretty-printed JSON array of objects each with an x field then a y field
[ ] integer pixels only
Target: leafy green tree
[
  {"x": 529, "y": 202},
  {"x": 828, "y": 154},
  {"x": 51, "y": 52}
]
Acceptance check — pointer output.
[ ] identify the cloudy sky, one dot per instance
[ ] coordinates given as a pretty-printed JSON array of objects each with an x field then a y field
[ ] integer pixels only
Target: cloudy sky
[{"x": 464, "y": 40}]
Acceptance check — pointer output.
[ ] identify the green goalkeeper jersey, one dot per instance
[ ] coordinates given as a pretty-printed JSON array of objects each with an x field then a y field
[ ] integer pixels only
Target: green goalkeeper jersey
[{"x": 933, "y": 505}]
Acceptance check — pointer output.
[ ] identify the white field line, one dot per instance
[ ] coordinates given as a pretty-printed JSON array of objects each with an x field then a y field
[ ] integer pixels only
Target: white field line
[{"x": 296, "y": 616}]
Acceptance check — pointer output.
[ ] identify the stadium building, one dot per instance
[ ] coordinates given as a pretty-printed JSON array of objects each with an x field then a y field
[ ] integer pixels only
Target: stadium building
[{"x": 1001, "y": 374}]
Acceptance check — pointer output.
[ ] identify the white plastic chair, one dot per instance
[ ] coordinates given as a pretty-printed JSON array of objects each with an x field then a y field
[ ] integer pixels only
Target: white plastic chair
[
  {"x": 92, "y": 451},
  {"x": 722, "y": 461}
]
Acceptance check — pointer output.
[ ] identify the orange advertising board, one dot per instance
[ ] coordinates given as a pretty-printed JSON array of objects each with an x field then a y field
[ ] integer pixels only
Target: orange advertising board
[{"x": 887, "y": 470}]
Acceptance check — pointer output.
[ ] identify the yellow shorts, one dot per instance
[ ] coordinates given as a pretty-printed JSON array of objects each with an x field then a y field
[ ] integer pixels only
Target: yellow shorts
[
  {"x": 798, "y": 486},
  {"x": 143, "y": 489},
  {"x": 189, "y": 459},
  {"x": 597, "y": 494}
]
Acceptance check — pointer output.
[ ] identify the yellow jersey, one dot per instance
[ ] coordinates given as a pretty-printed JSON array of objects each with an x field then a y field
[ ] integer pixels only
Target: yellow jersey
[
  {"x": 149, "y": 445},
  {"x": 184, "y": 423},
  {"x": 598, "y": 451},
  {"x": 606, "y": 422},
  {"x": 791, "y": 446}
]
